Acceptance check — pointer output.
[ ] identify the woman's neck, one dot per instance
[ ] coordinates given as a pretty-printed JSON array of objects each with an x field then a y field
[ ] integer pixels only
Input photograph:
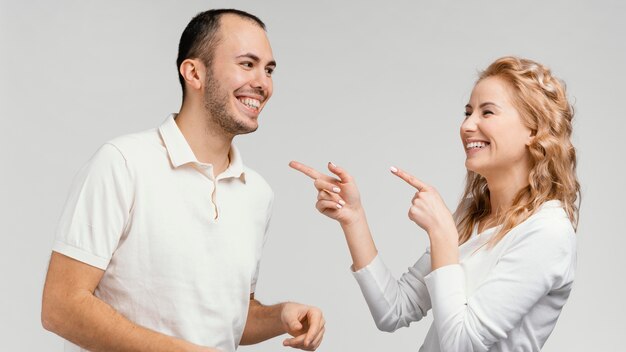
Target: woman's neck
[{"x": 503, "y": 189}]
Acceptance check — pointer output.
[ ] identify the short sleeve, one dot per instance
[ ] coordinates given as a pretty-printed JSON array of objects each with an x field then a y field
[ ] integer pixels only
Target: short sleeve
[{"x": 97, "y": 209}]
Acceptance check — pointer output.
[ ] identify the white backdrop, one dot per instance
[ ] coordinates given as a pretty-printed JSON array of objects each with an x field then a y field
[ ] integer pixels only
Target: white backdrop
[{"x": 363, "y": 84}]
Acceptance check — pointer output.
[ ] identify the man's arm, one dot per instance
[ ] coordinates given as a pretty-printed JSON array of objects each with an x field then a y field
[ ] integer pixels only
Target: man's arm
[
  {"x": 71, "y": 310},
  {"x": 304, "y": 323}
]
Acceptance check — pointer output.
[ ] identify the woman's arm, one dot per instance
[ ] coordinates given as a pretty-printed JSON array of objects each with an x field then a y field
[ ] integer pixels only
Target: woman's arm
[
  {"x": 525, "y": 290},
  {"x": 536, "y": 268},
  {"x": 393, "y": 303},
  {"x": 339, "y": 199}
]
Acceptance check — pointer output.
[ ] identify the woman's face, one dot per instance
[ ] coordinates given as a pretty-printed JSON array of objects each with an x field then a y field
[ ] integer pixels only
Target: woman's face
[{"x": 493, "y": 135}]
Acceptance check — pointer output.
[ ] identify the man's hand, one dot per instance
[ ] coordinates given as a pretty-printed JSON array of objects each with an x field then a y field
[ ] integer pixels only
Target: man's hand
[{"x": 305, "y": 324}]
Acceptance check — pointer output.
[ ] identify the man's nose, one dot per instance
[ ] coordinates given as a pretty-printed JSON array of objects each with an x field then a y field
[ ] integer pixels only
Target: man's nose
[{"x": 261, "y": 80}]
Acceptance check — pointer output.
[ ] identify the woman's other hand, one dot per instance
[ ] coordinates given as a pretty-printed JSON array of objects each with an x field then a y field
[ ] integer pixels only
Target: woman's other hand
[{"x": 337, "y": 197}]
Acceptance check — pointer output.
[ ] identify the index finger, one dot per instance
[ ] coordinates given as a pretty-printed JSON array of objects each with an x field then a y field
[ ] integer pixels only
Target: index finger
[
  {"x": 408, "y": 178},
  {"x": 315, "y": 325},
  {"x": 307, "y": 170}
]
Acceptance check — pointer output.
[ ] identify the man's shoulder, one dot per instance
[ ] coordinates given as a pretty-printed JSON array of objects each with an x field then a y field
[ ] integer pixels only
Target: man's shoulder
[{"x": 137, "y": 143}]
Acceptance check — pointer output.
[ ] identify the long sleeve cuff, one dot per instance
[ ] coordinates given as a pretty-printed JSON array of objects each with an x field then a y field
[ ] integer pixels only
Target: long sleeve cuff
[
  {"x": 374, "y": 281},
  {"x": 373, "y": 278},
  {"x": 446, "y": 286}
]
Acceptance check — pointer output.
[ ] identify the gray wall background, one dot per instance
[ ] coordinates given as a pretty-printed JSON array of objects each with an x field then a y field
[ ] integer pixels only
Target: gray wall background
[{"x": 364, "y": 84}]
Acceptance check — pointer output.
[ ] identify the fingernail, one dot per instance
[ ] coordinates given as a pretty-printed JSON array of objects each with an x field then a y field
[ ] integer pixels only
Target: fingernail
[
  {"x": 339, "y": 206},
  {"x": 336, "y": 189},
  {"x": 393, "y": 169},
  {"x": 331, "y": 164},
  {"x": 342, "y": 202}
]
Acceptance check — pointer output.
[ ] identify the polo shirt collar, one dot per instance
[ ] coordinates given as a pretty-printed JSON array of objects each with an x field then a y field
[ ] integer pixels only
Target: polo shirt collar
[
  {"x": 175, "y": 143},
  {"x": 180, "y": 152},
  {"x": 235, "y": 168}
]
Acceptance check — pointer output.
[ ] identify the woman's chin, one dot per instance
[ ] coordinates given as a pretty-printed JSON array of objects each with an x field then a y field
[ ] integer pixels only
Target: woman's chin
[
  {"x": 474, "y": 168},
  {"x": 470, "y": 166}
]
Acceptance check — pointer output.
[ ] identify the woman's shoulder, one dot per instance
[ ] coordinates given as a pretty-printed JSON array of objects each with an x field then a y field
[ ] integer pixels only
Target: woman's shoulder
[
  {"x": 551, "y": 214},
  {"x": 549, "y": 225}
]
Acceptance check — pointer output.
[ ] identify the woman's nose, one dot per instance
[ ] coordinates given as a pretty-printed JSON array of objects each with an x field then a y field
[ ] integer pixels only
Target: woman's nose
[{"x": 470, "y": 123}]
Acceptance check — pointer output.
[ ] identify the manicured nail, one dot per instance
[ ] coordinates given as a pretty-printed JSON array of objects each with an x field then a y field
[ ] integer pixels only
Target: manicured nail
[
  {"x": 393, "y": 169},
  {"x": 336, "y": 189},
  {"x": 339, "y": 206},
  {"x": 342, "y": 202}
]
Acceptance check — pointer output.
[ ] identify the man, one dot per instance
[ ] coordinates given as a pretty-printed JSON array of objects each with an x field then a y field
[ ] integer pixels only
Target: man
[{"x": 159, "y": 245}]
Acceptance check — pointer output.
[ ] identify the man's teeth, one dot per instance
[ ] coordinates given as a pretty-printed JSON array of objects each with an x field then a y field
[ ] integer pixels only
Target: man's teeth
[
  {"x": 251, "y": 103},
  {"x": 476, "y": 145}
]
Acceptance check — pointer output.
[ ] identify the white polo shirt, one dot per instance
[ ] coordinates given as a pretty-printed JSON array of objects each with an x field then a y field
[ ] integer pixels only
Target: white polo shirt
[{"x": 180, "y": 247}]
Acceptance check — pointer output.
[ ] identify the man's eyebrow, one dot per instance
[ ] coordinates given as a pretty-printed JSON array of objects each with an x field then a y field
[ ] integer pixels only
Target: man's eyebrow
[{"x": 255, "y": 58}]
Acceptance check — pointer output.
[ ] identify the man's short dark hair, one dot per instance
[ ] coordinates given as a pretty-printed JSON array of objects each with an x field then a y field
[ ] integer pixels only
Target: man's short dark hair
[{"x": 200, "y": 37}]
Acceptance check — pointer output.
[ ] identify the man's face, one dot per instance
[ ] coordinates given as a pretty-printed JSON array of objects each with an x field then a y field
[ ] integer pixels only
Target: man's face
[{"x": 239, "y": 83}]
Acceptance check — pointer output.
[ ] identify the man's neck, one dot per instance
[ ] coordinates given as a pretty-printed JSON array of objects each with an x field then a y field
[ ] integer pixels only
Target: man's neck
[{"x": 207, "y": 143}]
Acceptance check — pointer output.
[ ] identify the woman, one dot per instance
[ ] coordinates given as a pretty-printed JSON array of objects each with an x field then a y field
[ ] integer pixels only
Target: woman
[{"x": 498, "y": 272}]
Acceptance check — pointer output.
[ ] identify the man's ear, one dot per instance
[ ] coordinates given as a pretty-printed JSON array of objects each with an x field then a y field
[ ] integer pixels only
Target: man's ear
[{"x": 194, "y": 73}]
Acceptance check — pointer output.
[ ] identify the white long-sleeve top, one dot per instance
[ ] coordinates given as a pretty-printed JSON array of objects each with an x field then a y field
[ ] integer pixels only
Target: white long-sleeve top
[{"x": 504, "y": 298}]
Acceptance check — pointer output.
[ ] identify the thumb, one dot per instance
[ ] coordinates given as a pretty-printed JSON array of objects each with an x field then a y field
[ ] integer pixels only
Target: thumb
[
  {"x": 295, "y": 325},
  {"x": 343, "y": 175}
]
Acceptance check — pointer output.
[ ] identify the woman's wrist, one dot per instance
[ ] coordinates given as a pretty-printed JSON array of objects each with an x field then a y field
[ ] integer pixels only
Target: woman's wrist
[
  {"x": 358, "y": 217},
  {"x": 444, "y": 246}
]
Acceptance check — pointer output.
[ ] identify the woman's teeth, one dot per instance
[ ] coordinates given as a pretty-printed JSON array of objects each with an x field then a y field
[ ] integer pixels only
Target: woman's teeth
[{"x": 472, "y": 145}]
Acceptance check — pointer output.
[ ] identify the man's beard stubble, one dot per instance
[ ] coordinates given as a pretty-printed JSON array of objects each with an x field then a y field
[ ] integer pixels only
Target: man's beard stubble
[{"x": 216, "y": 105}]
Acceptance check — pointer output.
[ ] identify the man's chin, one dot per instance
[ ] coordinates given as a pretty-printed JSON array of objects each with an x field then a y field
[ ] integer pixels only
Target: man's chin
[
  {"x": 249, "y": 130},
  {"x": 245, "y": 128}
]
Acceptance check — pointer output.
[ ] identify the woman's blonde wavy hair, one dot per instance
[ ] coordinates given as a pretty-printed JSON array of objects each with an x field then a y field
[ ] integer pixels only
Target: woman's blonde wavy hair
[{"x": 541, "y": 101}]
